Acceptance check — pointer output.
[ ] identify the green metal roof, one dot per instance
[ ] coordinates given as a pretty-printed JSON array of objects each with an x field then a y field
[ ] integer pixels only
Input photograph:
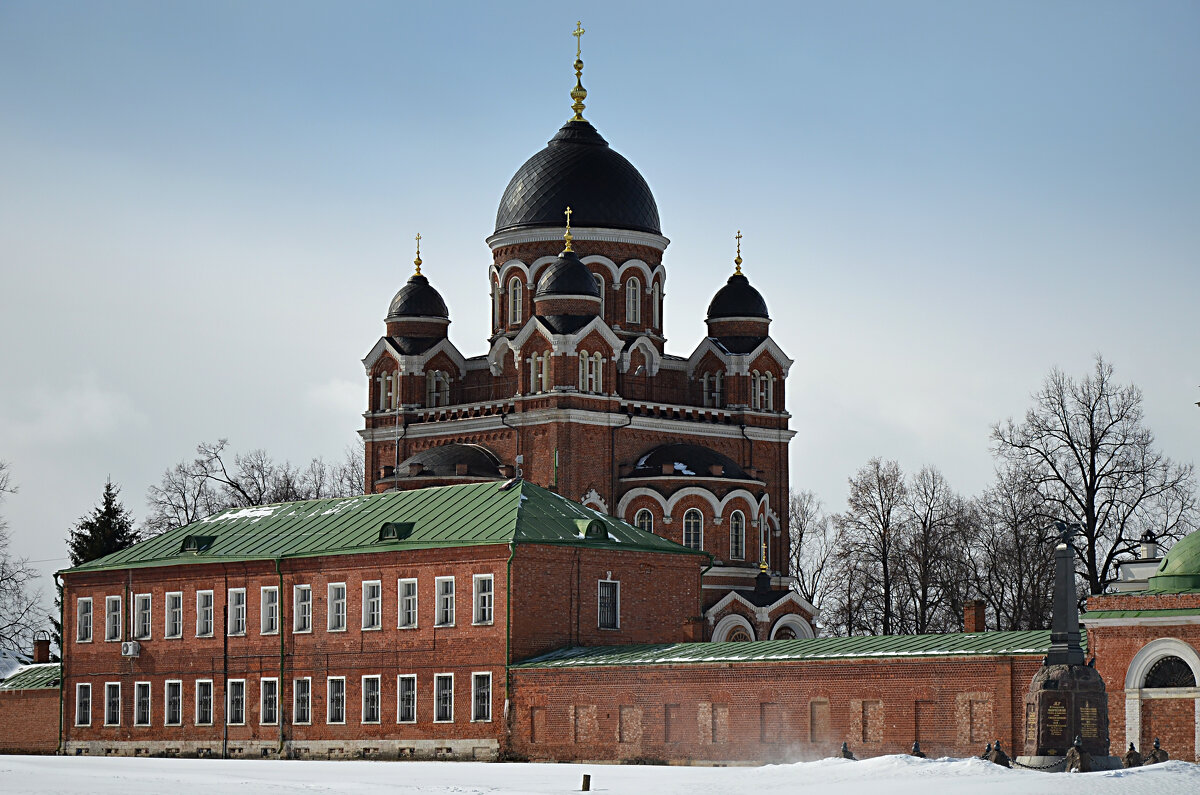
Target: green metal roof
[
  {"x": 445, "y": 516},
  {"x": 44, "y": 676},
  {"x": 1029, "y": 642}
]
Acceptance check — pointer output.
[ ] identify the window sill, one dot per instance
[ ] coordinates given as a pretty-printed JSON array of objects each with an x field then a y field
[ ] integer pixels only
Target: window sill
[
  {"x": 609, "y": 629},
  {"x": 172, "y": 725},
  {"x": 209, "y": 635},
  {"x": 302, "y": 631},
  {"x": 301, "y": 723},
  {"x": 236, "y": 635},
  {"x": 271, "y": 632},
  {"x": 371, "y": 629},
  {"x": 83, "y": 725},
  {"x": 444, "y": 626},
  {"x": 203, "y": 724},
  {"x": 409, "y": 626},
  {"x": 335, "y": 723},
  {"x": 272, "y": 723},
  {"x": 333, "y": 629},
  {"x": 172, "y": 637},
  {"x": 482, "y": 623},
  {"x": 450, "y": 720},
  {"x": 370, "y": 723},
  {"x": 481, "y": 720},
  {"x": 77, "y": 640}
]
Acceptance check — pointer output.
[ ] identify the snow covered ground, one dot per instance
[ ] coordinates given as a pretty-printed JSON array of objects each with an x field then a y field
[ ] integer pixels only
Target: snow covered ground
[{"x": 886, "y": 775}]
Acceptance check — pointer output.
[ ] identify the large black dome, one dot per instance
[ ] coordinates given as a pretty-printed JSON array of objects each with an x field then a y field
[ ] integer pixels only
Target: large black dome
[
  {"x": 578, "y": 169},
  {"x": 418, "y": 298},
  {"x": 737, "y": 298}
]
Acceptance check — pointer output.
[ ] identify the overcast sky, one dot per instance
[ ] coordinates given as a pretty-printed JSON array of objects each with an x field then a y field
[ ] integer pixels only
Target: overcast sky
[{"x": 205, "y": 209}]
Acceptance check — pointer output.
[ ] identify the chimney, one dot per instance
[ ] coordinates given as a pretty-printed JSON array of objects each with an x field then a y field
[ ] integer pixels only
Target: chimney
[
  {"x": 1149, "y": 545},
  {"x": 41, "y": 650},
  {"x": 414, "y": 469},
  {"x": 386, "y": 472},
  {"x": 716, "y": 470},
  {"x": 460, "y": 468},
  {"x": 974, "y": 616}
]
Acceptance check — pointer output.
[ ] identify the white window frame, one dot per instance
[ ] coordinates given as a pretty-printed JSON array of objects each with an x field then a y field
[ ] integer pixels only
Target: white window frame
[
  {"x": 329, "y": 680},
  {"x": 400, "y": 600},
  {"x": 301, "y": 617},
  {"x": 475, "y": 677},
  {"x": 378, "y": 699},
  {"x": 331, "y": 613},
  {"x": 229, "y": 688},
  {"x": 633, "y": 300},
  {"x": 262, "y": 701},
  {"x": 377, "y": 624},
  {"x": 141, "y": 616},
  {"x": 167, "y": 702},
  {"x": 178, "y": 597},
  {"x": 600, "y": 283},
  {"x": 656, "y": 304},
  {"x": 599, "y": 609},
  {"x": 437, "y": 679},
  {"x": 476, "y": 601},
  {"x": 515, "y": 301},
  {"x": 307, "y": 701},
  {"x": 733, "y": 534},
  {"x": 107, "y": 685},
  {"x": 80, "y": 624},
  {"x": 212, "y": 614},
  {"x": 400, "y": 695},
  {"x": 264, "y": 613},
  {"x": 700, "y": 539},
  {"x": 234, "y": 619},
  {"x": 439, "y": 596},
  {"x": 212, "y": 707},
  {"x": 80, "y": 688},
  {"x": 638, "y": 516},
  {"x": 138, "y": 689},
  {"x": 115, "y": 635}
]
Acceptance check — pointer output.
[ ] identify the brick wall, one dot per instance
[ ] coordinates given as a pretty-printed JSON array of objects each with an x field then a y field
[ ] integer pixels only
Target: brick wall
[{"x": 28, "y": 721}]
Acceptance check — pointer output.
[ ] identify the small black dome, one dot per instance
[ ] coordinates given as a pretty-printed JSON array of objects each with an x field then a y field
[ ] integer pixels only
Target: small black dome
[
  {"x": 443, "y": 461},
  {"x": 737, "y": 299},
  {"x": 579, "y": 169},
  {"x": 686, "y": 460},
  {"x": 567, "y": 275},
  {"x": 418, "y": 299}
]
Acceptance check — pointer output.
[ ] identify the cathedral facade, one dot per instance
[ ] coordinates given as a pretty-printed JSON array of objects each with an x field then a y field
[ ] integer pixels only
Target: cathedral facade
[{"x": 578, "y": 393}]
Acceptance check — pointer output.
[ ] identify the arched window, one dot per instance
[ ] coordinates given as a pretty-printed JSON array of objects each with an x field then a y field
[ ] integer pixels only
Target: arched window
[
  {"x": 737, "y": 536},
  {"x": 597, "y": 374},
  {"x": 437, "y": 388},
  {"x": 644, "y": 520},
  {"x": 656, "y": 305},
  {"x": 693, "y": 529},
  {"x": 539, "y": 372},
  {"x": 496, "y": 304},
  {"x": 515, "y": 303},
  {"x": 1170, "y": 672},
  {"x": 591, "y": 373},
  {"x": 714, "y": 384},
  {"x": 633, "y": 300},
  {"x": 738, "y": 635},
  {"x": 599, "y": 277}
]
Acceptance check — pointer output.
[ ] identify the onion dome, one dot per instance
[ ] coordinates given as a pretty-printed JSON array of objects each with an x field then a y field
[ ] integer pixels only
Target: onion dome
[
  {"x": 418, "y": 298},
  {"x": 737, "y": 299},
  {"x": 687, "y": 461},
  {"x": 567, "y": 293},
  {"x": 1180, "y": 569}
]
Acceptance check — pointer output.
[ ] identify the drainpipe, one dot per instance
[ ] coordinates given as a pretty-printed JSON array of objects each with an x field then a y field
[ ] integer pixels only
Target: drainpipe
[
  {"x": 279, "y": 684},
  {"x": 614, "y": 470},
  {"x": 224, "y": 670},
  {"x": 512, "y": 551},
  {"x": 62, "y": 657}
]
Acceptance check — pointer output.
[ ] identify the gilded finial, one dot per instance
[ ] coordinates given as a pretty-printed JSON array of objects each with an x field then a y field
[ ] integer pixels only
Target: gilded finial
[
  {"x": 567, "y": 235},
  {"x": 762, "y": 560},
  {"x": 578, "y": 93},
  {"x": 737, "y": 261},
  {"x": 417, "y": 261}
]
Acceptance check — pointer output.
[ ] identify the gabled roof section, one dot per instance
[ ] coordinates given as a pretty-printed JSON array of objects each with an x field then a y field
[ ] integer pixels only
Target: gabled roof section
[
  {"x": 960, "y": 644},
  {"x": 473, "y": 514},
  {"x": 41, "y": 676},
  {"x": 411, "y": 353},
  {"x": 738, "y": 363}
]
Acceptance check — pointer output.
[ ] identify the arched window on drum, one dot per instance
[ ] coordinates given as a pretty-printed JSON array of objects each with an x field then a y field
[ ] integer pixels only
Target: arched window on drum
[
  {"x": 644, "y": 520},
  {"x": 693, "y": 529},
  {"x": 737, "y": 536}
]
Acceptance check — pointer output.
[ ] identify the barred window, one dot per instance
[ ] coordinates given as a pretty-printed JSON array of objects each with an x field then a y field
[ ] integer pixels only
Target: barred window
[
  {"x": 204, "y": 705},
  {"x": 406, "y": 699},
  {"x": 302, "y": 700},
  {"x": 235, "y": 713},
  {"x": 173, "y": 714},
  {"x": 644, "y": 520},
  {"x": 336, "y": 704},
  {"x": 141, "y": 704},
  {"x": 83, "y": 705},
  {"x": 268, "y": 709},
  {"x": 481, "y": 703},
  {"x": 370, "y": 699},
  {"x": 112, "y": 704},
  {"x": 609, "y": 604},
  {"x": 443, "y": 686}
]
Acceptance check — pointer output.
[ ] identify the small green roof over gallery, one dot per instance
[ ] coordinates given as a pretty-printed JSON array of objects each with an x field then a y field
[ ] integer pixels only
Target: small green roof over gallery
[{"x": 476, "y": 514}]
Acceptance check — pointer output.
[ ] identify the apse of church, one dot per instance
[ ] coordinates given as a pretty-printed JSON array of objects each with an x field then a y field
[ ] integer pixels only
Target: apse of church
[{"x": 577, "y": 391}]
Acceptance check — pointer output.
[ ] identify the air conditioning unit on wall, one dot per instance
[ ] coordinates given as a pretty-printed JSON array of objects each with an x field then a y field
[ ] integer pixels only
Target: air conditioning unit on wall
[{"x": 130, "y": 648}]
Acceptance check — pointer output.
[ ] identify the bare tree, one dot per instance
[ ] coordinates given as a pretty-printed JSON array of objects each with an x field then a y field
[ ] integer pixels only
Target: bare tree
[
  {"x": 812, "y": 545},
  {"x": 1092, "y": 460},
  {"x": 931, "y": 554},
  {"x": 870, "y": 530},
  {"x": 19, "y": 616}
]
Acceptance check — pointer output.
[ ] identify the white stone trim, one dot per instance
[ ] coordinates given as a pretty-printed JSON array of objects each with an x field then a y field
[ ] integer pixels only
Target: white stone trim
[
  {"x": 445, "y": 321},
  {"x": 566, "y": 297},
  {"x": 739, "y": 363},
  {"x": 592, "y": 496},
  {"x": 1147, "y": 621},
  {"x": 542, "y": 233},
  {"x": 761, "y": 614},
  {"x": 1154, "y": 651},
  {"x": 801, "y": 627},
  {"x": 728, "y": 624},
  {"x": 502, "y": 273},
  {"x": 414, "y": 365},
  {"x": 652, "y": 356}
]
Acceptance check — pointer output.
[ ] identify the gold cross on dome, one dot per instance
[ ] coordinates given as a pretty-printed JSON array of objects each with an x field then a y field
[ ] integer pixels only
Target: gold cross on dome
[
  {"x": 567, "y": 235},
  {"x": 579, "y": 31},
  {"x": 738, "y": 260},
  {"x": 417, "y": 261}
]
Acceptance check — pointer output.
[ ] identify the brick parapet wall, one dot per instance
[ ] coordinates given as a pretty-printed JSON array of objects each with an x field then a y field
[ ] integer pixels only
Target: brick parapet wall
[
  {"x": 1166, "y": 601},
  {"x": 28, "y": 721}
]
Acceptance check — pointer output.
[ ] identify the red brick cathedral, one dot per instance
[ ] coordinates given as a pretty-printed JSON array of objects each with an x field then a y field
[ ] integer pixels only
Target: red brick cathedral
[{"x": 577, "y": 392}]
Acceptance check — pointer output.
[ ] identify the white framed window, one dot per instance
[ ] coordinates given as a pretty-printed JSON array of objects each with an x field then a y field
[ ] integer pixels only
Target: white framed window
[
  {"x": 302, "y": 612},
  {"x": 445, "y": 601},
  {"x": 609, "y": 604},
  {"x": 141, "y": 703},
  {"x": 737, "y": 536},
  {"x": 484, "y": 599},
  {"x": 83, "y": 704},
  {"x": 443, "y": 698},
  {"x": 714, "y": 386},
  {"x": 235, "y": 703},
  {"x": 372, "y": 605},
  {"x": 268, "y": 701},
  {"x": 693, "y": 529},
  {"x": 644, "y": 520},
  {"x": 268, "y": 616},
  {"x": 407, "y": 589},
  {"x": 173, "y": 623},
  {"x": 496, "y": 305},
  {"x": 762, "y": 391},
  {"x": 335, "y": 706},
  {"x": 204, "y": 702},
  {"x": 591, "y": 373},
  {"x": 370, "y": 699},
  {"x": 599, "y": 277},
  {"x": 633, "y": 300},
  {"x": 112, "y": 703},
  {"x": 302, "y": 700},
  {"x": 337, "y": 607},
  {"x": 142, "y": 616},
  {"x": 204, "y": 614},
  {"x": 112, "y": 618},
  {"x": 406, "y": 698},
  {"x": 437, "y": 388},
  {"x": 237, "y": 611},
  {"x": 656, "y": 304},
  {"x": 173, "y": 702},
  {"x": 515, "y": 301},
  {"x": 481, "y": 696},
  {"x": 83, "y": 621},
  {"x": 539, "y": 372}
]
